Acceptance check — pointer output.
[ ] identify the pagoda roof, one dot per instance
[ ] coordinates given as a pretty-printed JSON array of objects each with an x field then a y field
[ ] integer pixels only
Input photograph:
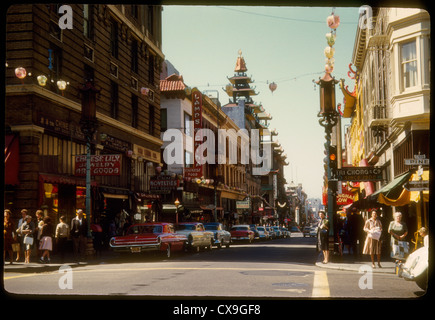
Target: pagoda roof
[
  {"x": 349, "y": 100},
  {"x": 240, "y": 64},
  {"x": 172, "y": 83},
  {"x": 237, "y": 77}
]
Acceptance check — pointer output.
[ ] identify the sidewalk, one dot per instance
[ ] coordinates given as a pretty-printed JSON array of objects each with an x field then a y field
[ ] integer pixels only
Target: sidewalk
[
  {"x": 348, "y": 262},
  {"x": 56, "y": 263}
]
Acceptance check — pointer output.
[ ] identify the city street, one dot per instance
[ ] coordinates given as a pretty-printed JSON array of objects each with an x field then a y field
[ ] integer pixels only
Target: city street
[{"x": 277, "y": 269}]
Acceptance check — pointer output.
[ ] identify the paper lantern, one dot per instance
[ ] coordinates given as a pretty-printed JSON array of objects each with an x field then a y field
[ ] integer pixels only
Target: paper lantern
[
  {"x": 330, "y": 38},
  {"x": 20, "y": 72},
  {"x": 42, "y": 80},
  {"x": 333, "y": 21},
  {"x": 273, "y": 86},
  {"x": 329, "y": 52}
]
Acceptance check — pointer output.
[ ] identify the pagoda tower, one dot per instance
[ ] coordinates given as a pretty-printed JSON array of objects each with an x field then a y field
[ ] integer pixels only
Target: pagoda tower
[{"x": 241, "y": 106}]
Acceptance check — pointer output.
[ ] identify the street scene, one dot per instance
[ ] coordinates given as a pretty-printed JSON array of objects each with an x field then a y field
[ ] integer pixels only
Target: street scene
[{"x": 217, "y": 152}]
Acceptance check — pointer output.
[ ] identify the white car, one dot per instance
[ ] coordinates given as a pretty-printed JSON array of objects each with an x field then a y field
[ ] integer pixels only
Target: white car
[
  {"x": 264, "y": 234},
  {"x": 313, "y": 232}
]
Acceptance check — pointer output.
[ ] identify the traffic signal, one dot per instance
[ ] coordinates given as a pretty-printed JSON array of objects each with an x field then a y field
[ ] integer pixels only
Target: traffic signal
[{"x": 333, "y": 157}]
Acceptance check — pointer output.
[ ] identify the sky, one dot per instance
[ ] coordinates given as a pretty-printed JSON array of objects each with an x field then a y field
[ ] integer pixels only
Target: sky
[{"x": 284, "y": 45}]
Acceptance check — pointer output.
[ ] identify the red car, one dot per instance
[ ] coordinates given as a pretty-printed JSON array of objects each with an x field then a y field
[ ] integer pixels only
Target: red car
[
  {"x": 157, "y": 236},
  {"x": 242, "y": 232}
]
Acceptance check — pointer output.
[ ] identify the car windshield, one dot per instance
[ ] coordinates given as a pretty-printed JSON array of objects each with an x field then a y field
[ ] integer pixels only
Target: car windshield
[
  {"x": 260, "y": 228},
  {"x": 211, "y": 227},
  {"x": 239, "y": 228},
  {"x": 144, "y": 229},
  {"x": 185, "y": 227}
]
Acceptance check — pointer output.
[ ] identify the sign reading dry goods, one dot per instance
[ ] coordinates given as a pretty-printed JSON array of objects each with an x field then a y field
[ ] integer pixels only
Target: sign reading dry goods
[
  {"x": 101, "y": 165},
  {"x": 359, "y": 174}
]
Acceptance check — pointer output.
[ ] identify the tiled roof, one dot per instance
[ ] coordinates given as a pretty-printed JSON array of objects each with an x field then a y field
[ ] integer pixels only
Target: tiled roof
[{"x": 172, "y": 83}]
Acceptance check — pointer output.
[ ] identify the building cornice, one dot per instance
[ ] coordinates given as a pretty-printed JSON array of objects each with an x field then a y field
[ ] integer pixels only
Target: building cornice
[{"x": 74, "y": 106}]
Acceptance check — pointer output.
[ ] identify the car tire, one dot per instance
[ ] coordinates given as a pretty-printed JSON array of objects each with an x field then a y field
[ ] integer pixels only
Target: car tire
[
  {"x": 168, "y": 252},
  {"x": 210, "y": 247}
]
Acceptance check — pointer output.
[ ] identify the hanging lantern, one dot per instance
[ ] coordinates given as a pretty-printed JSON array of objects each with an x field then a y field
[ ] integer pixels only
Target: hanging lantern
[
  {"x": 21, "y": 73},
  {"x": 42, "y": 80},
  {"x": 329, "y": 68},
  {"x": 329, "y": 52},
  {"x": 333, "y": 21},
  {"x": 330, "y": 38},
  {"x": 273, "y": 86}
]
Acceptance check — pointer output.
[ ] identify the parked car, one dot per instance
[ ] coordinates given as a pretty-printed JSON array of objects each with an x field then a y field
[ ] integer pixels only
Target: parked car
[
  {"x": 221, "y": 236},
  {"x": 313, "y": 232},
  {"x": 306, "y": 231},
  {"x": 416, "y": 267},
  {"x": 263, "y": 233},
  {"x": 256, "y": 233},
  {"x": 295, "y": 229},
  {"x": 277, "y": 231},
  {"x": 286, "y": 232},
  {"x": 197, "y": 236},
  {"x": 242, "y": 232},
  {"x": 159, "y": 237},
  {"x": 272, "y": 233}
]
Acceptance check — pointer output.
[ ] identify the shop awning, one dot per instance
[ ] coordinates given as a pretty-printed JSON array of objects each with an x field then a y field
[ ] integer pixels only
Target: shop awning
[
  {"x": 394, "y": 188},
  {"x": 12, "y": 159}
]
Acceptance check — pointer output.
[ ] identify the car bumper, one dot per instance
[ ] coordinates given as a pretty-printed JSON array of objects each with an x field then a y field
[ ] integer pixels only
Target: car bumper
[
  {"x": 136, "y": 248},
  {"x": 240, "y": 238}
]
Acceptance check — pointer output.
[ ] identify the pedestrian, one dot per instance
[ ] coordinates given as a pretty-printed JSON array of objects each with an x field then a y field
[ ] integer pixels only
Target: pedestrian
[
  {"x": 372, "y": 245},
  {"x": 46, "y": 241},
  {"x": 97, "y": 234},
  {"x": 61, "y": 235},
  {"x": 323, "y": 236},
  {"x": 39, "y": 223},
  {"x": 8, "y": 236},
  {"x": 20, "y": 237},
  {"x": 425, "y": 235},
  {"x": 398, "y": 231},
  {"x": 28, "y": 230},
  {"x": 79, "y": 232}
]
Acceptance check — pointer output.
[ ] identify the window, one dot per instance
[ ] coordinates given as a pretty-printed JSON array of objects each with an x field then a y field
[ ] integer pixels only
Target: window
[
  {"x": 151, "y": 69},
  {"x": 187, "y": 124},
  {"x": 409, "y": 64},
  {"x": 87, "y": 21},
  {"x": 134, "y": 110},
  {"x": 114, "y": 100},
  {"x": 134, "y": 56},
  {"x": 188, "y": 159},
  {"x": 152, "y": 121},
  {"x": 114, "y": 39},
  {"x": 163, "y": 120}
]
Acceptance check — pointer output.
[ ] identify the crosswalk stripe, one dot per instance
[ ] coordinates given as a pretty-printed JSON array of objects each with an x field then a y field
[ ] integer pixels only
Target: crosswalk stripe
[{"x": 320, "y": 285}]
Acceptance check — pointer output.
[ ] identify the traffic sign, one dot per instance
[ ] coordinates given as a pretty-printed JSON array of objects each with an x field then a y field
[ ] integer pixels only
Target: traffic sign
[
  {"x": 422, "y": 185},
  {"x": 416, "y": 162}
]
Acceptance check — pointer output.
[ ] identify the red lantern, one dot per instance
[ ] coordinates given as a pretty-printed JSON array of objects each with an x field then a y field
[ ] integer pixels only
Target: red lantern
[{"x": 273, "y": 86}]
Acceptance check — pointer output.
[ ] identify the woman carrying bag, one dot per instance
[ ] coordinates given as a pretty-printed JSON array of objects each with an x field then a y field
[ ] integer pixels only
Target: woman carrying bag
[
  {"x": 398, "y": 231},
  {"x": 27, "y": 229},
  {"x": 372, "y": 245}
]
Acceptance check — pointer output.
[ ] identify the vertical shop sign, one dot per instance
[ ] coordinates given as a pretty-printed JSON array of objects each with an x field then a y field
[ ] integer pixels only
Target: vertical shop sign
[{"x": 196, "y": 171}]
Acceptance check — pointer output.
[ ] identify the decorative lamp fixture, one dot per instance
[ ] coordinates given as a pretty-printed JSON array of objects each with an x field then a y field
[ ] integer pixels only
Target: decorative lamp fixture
[
  {"x": 61, "y": 84},
  {"x": 177, "y": 203},
  {"x": 42, "y": 80},
  {"x": 327, "y": 94}
]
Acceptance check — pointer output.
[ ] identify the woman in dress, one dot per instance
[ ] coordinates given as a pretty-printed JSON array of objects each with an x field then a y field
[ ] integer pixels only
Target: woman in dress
[
  {"x": 372, "y": 245},
  {"x": 46, "y": 241},
  {"x": 8, "y": 235},
  {"x": 397, "y": 229},
  {"x": 323, "y": 236}
]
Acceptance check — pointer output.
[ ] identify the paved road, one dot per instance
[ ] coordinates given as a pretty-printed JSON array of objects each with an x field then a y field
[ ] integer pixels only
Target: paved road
[{"x": 279, "y": 269}]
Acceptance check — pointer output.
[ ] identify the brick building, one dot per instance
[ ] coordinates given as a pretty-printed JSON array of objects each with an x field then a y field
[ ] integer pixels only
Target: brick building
[{"x": 119, "y": 48}]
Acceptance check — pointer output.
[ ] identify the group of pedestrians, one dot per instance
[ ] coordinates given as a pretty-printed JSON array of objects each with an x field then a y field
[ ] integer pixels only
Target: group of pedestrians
[
  {"x": 43, "y": 235},
  {"x": 373, "y": 231}
]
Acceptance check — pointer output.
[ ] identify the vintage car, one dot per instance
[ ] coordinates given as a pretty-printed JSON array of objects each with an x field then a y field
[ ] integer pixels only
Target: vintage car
[
  {"x": 197, "y": 236},
  {"x": 264, "y": 234},
  {"x": 242, "y": 232},
  {"x": 160, "y": 237},
  {"x": 221, "y": 236}
]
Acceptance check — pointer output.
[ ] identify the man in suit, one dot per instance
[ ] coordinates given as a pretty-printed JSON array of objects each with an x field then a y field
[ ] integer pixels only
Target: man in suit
[{"x": 79, "y": 233}]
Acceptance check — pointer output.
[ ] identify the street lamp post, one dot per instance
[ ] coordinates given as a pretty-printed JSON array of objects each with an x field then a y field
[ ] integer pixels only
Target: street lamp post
[
  {"x": 177, "y": 204},
  {"x": 88, "y": 125},
  {"x": 328, "y": 119}
]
